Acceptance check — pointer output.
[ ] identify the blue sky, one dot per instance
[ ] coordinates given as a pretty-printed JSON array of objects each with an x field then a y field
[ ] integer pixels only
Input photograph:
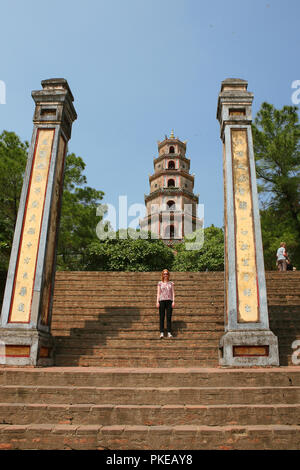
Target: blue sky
[{"x": 139, "y": 68}]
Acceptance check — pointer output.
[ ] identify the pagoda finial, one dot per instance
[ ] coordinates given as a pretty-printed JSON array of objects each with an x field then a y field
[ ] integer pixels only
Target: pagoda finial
[{"x": 172, "y": 134}]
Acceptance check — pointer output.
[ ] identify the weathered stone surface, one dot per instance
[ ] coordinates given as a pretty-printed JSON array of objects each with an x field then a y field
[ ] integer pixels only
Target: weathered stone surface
[
  {"x": 70, "y": 408},
  {"x": 110, "y": 319}
]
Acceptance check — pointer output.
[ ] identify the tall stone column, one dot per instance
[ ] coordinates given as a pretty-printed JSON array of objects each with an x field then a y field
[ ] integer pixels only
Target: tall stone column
[
  {"x": 247, "y": 340},
  {"x": 26, "y": 312}
]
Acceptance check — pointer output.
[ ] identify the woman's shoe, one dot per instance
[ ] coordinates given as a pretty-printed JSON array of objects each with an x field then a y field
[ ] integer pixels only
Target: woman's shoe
[
  {"x": 161, "y": 336},
  {"x": 170, "y": 335}
]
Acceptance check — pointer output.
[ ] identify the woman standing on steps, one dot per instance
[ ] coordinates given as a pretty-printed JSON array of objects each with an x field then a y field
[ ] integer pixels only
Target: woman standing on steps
[{"x": 165, "y": 301}]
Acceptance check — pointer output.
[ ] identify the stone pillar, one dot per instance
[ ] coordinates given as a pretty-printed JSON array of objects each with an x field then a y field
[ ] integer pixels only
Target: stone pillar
[
  {"x": 26, "y": 312},
  {"x": 248, "y": 340}
]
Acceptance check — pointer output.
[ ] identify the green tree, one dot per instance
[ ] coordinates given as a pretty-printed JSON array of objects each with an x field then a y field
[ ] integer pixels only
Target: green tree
[
  {"x": 210, "y": 257},
  {"x": 117, "y": 253},
  {"x": 274, "y": 231},
  {"x": 78, "y": 217},
  {"x": 13, "y": 157},
  {"x": 276, "y": 135}
]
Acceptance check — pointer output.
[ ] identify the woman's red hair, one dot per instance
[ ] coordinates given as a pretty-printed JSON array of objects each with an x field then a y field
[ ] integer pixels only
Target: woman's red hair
[{"x": 162, "y": 274}]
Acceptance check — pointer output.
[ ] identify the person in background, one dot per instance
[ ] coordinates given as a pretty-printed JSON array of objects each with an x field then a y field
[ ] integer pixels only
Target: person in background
[
  {"x": 281, "y": 257},
  {"x": 165, "y": 301}
]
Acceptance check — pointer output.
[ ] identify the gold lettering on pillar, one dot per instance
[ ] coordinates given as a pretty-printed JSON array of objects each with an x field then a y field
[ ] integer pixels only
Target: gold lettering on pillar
[
  {"x": 247, "y": 288},
  {"x": 32, "y": 221}
]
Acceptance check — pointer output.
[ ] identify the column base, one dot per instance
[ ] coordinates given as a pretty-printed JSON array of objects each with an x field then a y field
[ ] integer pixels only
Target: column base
[
  {"x": 26, "y": 347},
  {"x": 248, "y": 348}
]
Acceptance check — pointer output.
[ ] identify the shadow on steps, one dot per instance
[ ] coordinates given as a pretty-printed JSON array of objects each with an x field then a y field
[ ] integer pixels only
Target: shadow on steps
[
  {"x": 82, "y": 340},
  {"x": 285, "y": 324}
]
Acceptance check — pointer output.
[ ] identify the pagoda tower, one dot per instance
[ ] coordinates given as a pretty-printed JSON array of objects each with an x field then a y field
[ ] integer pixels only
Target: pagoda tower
[{"x": 171, "y": 204}]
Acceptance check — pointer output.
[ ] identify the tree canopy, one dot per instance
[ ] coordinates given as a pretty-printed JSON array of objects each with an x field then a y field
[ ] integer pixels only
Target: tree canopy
[
  {"x": 13, "y": 157},
  {"x": 276, "y": 136},
  {"x": 78, "y": 216},
  {"x": 118, "y": 253},
  {"x": 210, "y": 257}
]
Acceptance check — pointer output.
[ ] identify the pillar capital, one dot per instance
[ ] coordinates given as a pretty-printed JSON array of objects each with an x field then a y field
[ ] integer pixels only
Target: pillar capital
[
  {"x": 234, "y": 103},
  {"x": 54, "y": 105}
]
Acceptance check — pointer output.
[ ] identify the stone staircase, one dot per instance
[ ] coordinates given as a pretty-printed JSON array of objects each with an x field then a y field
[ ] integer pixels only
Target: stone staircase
[
  {"x": 116, "y": 385},
  {"x": 120, "y": 408},
  {"x": 110, "y": 318}
]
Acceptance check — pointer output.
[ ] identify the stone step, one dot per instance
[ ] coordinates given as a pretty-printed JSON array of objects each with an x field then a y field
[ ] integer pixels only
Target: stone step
[
  {"x": 284, "y": 332},
  {"x": 138, "y": 331},
  {"x": 173, "y": 274},
  {"x": 149, "y": 415},
  {"x": 141, "y": 283},
  {"x": 149, "y": 395},
  {"x": 195, "y": 307},
  {"x": 99, "y": 327},
  {"x": 200, "y": 285},
  {"x": 128, "y": 355},
  {"x": 289, "y": 300},
  {"x": 156, "y": 275},
  {"x": 142, "y": 289},
  {"x": 200, "y": 282},
  {"x": 71, "y": 310},
  {"x": 118, "y": 312},
  {"x": 92, "y": 286},
  {"x": 124, "y": 437},
  {"x": 134, "y": 320},
  {"x": 75, "y": 308},
  {"x": 138, "y": 306},
  {"x": 175, "y": 344},
  {"x": 71, "y": 318},
  {"x": 124, "y": 302},
  {"x": 184, "y": 295},
  {"x": 152, "y": 377},
  {"x": 151, "y": 324},
  {"x": 182, "y": 298},
  {"x": 138, "y": 335},
  {"x": 88, "y": 360},
  {"x": 181, "y": 302},
  {"x": 209, "y": 360}
]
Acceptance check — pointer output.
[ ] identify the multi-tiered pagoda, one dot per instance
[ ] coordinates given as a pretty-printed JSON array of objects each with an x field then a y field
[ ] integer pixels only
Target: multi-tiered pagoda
[{"x": 171, "y": 205}]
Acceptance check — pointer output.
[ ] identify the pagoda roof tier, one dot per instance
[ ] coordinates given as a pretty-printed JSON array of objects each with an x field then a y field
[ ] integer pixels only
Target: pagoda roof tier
[
  {"x": 170, "y": 171},
  {"x": 173, "y": 191},
  {"x": 172, "y": 214},
  {"x": 171, "y": 155},
  {"x": 171, "y": 140}
]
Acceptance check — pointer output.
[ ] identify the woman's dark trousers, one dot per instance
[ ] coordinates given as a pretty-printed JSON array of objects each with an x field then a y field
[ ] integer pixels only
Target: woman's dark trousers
[{"x": 165, "y": 306}]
